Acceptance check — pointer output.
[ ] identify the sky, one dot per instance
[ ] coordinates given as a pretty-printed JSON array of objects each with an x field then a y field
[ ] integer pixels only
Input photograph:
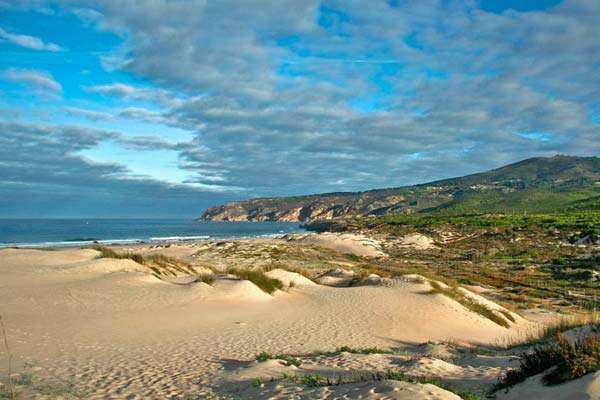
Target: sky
[{"x": 162, "y": 108}]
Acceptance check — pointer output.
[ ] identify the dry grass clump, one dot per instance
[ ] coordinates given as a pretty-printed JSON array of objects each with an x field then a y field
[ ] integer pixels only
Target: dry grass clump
[
  {"x": 362, "y": 274},
  {"x": 481, "y": 309},
  {"x": 107, "y": 252},
  {"x": 165, "y": 265},
  {"x": 206, "y": 278},
  {"x": 559, "y": 360},
  {"x": 159, "y": 264},
  {"x": 549, "y": 331},
  {"x": 296, "y": 270},
  {"x": 258, "y": 277}
]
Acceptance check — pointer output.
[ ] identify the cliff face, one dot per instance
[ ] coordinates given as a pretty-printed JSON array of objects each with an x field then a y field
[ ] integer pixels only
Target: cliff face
[
  {"x": 533, "y": 185},
  {"x": 315, "y": 209}
]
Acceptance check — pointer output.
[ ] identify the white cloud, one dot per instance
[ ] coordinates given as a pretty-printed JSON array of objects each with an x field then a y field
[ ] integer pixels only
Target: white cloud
[
  {"x": 89, "y": 114},
  {"x": 30, "y": 42},
  {"x": 37, "y": 80}
]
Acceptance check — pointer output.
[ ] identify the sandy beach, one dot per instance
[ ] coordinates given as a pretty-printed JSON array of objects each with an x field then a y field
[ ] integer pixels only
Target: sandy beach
[{"x": 99, "y": 328}]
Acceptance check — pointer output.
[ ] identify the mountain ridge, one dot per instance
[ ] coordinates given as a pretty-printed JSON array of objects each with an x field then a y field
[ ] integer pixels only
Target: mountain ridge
[{"x": 539, "y": 184}]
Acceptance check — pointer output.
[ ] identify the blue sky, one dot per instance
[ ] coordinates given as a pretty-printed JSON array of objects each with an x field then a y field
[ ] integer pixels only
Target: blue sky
[{"x": 163, "y": 108}]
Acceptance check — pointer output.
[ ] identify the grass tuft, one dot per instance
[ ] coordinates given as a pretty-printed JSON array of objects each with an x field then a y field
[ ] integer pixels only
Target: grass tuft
[
  {"x": 257, "y": 382},
  {"x": 158, "y": 263},
  {"x": 366, "y": 350},
  {"x": 206, "y": 278},
  {"x": 289, "y": 361},
  {"x": 481, "y": 309},
  {"x": 315, "y": 380},
  {"x": 169, "y": 265},
  {"x": 107, "y": 252},
  {"x": 258, "y": 277}
]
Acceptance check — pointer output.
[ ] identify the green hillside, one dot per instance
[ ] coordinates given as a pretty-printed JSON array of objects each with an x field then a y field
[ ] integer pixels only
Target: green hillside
[{"x": 536, "y": 185}]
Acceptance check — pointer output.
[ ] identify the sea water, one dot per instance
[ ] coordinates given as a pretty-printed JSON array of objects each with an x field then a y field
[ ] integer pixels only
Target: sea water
[{"x": 83, "y": 232}]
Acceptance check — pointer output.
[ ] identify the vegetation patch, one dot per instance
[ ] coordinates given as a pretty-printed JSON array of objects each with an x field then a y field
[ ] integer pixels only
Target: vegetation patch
[
  {"x": 258, "y": 277},
  {"x": 469, "y": 303},
  {"x": 560, "y": 360},
  {"x": 107, "y": 252},
  {"x": 288, "y": 360},
  {"x": 160, "y": 264},
  {"x": 365, "y": 350},
  {"x": 549, "y": 332},
  {"x": 316, "y": 380},
  {"x": 206, "y": 278},
  {"x": 166, "y": 265}
]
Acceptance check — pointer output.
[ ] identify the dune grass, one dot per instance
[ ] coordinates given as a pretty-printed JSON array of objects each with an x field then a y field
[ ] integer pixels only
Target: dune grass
[
  {"x": 317, "y": 380},
  {"x": 10, "y": 392},
  {"x": 285, "y": 267},
  {"x": 289, "y": 361},
  {"x": 107, "y": 252},
  {"x": 481, "y": 309},
  {"x": 547, "y": 332},
  {"x": 365, "y": 350},
  {"x": 15, "y": 387},
  {"x": 168, "y": 265},
  {"x": 258, "y": 277},
  {"x": 559, "y": 360},
  {"x": 206, "y": 278},
  {"x": 160, "y": 264}
]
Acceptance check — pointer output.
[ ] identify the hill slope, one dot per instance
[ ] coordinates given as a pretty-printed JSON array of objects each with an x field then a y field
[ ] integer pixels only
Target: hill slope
[{"x": 533, "y": 185}]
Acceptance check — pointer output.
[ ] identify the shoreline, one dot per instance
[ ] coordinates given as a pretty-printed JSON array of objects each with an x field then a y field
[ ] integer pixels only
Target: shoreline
[
  {"x": 135, "y": 242},
  {"x": 45, "y": 233}
]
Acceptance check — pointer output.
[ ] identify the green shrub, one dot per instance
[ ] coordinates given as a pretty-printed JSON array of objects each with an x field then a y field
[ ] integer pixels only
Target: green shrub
[
  {"x": 311, "y": 380},
  {"x": 257, "y": 382},
  {"x": 563, "y": 361},
  {"x": 289, "y": 361},
  {"x": 366, "y": 350}
]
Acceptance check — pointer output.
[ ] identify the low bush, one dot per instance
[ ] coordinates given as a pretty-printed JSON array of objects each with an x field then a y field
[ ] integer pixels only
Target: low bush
[{"x": 561, "y": 360}]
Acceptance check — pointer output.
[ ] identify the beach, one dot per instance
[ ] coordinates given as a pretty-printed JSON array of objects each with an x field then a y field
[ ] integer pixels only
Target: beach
[{"x": 111, "y": 328}]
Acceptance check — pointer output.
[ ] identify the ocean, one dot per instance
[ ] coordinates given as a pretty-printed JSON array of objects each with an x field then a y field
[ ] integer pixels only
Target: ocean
[{"x": 82, "y": 232}]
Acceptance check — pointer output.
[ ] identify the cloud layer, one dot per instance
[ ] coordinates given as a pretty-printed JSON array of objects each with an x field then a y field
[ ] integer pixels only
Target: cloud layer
[
  {"x": 293, "y": 97},
  {"x": 446, "y": 87}
]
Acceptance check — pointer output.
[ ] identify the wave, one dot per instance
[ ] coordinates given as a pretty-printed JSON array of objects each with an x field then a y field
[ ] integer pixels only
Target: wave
[
  {"x": 71, "y": 243},
  {"x": 88, "y": 242},
  {"x": 178, "y": 238}
]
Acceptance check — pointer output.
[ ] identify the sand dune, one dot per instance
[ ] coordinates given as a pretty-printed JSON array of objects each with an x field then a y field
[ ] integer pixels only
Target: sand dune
[
  {"x": 115, "y": 332},
  {"x": 349, "y": 243}
]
